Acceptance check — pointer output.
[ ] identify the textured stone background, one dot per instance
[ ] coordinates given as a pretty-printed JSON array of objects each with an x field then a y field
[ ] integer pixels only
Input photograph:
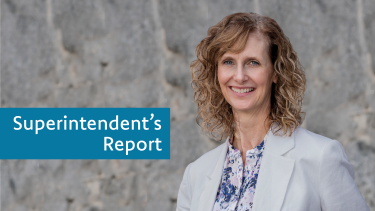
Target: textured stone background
[{"x": 116, "y": 53}]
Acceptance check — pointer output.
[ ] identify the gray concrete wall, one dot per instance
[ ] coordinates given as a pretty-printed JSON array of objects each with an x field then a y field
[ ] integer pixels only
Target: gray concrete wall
[{"x": 117, "y": 53}]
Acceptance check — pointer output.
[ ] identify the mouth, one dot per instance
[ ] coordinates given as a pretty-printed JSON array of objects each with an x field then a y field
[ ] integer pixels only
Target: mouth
[{"x": 242, "y": 90}]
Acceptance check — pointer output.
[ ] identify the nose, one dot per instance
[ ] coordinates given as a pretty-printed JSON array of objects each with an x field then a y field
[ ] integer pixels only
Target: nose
[{"x": 240, "y": 75}]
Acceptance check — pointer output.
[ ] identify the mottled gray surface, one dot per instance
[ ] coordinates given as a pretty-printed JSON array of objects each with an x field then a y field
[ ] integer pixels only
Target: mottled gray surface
[{"x": 116, "y": 53}]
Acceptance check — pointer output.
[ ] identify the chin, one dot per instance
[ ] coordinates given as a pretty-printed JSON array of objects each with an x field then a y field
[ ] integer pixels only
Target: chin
[{"x": 242, "y": 108}]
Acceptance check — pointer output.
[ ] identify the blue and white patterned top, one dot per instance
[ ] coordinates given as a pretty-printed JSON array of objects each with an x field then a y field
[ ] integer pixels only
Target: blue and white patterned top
[{"x": 237, "y": 188}]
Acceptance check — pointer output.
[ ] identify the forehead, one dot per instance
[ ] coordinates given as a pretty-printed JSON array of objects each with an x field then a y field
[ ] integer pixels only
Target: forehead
[{"x": 256, "y": 46}]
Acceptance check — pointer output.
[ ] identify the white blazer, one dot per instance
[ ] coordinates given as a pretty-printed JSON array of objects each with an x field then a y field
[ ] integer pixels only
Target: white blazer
[{"x": 303, "y": 172}]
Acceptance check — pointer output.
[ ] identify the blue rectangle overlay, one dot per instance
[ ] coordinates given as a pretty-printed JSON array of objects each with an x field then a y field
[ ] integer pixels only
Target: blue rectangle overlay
[{"x": 85, "y": 133}]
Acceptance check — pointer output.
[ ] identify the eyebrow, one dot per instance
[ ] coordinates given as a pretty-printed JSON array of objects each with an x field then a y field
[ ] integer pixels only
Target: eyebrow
[{"x": 246, "y": 58}]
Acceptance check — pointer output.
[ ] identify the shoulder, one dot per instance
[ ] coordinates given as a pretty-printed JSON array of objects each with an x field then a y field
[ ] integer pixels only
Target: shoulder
[
  {"x": 311, "y": 137},
  {"x": 322, "y": 161},
  {"x": 323, "y": 153},
  {"x": 319, "y": 155},
  {"x": 314, "y": 149},
  {"x": 205, "y": 164},
  {"x": 306, "y": 140},
  {"x": 207, "y": 161},
  {"x": 325, "y": 161}
]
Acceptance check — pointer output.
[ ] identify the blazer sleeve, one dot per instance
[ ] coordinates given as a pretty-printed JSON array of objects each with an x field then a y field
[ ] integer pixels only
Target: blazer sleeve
[
  {"x": 337, "y": 187},
  {"x": 184, "y": 193}
]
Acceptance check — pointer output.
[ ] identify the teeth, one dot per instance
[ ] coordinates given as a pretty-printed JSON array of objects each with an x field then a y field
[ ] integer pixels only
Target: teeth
[{"x": 242, "y": 90}]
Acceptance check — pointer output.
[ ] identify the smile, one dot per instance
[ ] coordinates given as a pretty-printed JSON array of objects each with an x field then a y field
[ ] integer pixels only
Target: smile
[{"x": 245, "y": 90}]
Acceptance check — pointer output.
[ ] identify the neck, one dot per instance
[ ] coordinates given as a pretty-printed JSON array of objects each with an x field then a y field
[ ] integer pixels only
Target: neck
[{"x": 250, "y": 129}]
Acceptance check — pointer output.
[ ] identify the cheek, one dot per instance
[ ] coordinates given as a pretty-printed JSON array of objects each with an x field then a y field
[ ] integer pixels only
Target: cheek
[
  {"x": 263, "y": 78},
  {"x": 222, "y": 78}
]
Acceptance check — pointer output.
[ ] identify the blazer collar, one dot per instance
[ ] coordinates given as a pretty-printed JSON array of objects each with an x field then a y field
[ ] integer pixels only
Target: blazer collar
[
  {"x": 274, "y": 174},
  {"x": 278, "y": 144}
]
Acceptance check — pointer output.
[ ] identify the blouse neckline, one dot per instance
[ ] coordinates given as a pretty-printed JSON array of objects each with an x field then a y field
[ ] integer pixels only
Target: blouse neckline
[{"x": 232, "y": 151}]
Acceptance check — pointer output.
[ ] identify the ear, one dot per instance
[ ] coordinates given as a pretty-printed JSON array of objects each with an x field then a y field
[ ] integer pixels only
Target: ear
[{"x": 274, "y": 78}]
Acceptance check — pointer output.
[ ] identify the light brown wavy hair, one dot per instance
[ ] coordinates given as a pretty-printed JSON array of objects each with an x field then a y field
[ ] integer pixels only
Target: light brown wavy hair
[{"x": 215, "y": 115}]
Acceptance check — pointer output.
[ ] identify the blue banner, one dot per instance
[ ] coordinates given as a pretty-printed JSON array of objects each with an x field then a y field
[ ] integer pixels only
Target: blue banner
[{"x": 85, "y": 133}]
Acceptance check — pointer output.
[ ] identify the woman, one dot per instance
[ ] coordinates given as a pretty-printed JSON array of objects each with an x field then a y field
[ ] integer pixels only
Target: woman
[{"x": 249, "y": 86}]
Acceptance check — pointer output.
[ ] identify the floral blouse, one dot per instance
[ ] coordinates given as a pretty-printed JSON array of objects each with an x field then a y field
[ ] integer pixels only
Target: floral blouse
[{"x": 237, "y": 188}]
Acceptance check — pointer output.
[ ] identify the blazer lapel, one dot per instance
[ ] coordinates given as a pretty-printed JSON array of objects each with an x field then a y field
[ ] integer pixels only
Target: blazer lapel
[
  {"x": 208, "y": 195},
  {"x": 274, "y": 173}
]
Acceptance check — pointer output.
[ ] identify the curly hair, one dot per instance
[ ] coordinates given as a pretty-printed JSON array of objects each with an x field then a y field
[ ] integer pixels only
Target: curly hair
[{"x": 215, "y": 115}]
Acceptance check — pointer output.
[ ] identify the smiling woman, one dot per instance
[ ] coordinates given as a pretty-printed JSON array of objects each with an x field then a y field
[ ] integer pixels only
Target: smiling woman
[
  {"x": 246, "y": 80},
  {"x": 249, "y": 85},
  {"x": 245, "y": 51}
]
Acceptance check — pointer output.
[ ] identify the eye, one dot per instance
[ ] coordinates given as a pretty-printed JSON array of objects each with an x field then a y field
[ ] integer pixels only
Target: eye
[
  {"x": 254, "y": 63},
  {"x": 225, "y": 62}
]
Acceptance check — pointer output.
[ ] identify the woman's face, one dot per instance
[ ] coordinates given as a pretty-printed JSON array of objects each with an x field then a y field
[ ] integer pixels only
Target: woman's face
[{"x": 246, "y": 78}]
